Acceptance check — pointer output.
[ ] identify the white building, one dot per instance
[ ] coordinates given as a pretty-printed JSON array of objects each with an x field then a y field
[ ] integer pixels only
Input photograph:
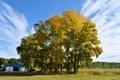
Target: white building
[{"x": 15, "y": 67}]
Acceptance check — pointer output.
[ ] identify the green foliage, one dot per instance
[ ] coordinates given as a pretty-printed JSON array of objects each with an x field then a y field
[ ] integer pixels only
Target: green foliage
[
  {"x": 29, "y": 50},
  {"x": 68, "y": 41}
]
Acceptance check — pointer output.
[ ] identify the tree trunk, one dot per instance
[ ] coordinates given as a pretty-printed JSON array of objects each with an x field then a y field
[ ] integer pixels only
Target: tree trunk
[
  {"x": 75, "y": 68},
  {"x": 68, "y": 66},
  {"x": 61, "y": 69},
  {"x": 51, "y": 64}
]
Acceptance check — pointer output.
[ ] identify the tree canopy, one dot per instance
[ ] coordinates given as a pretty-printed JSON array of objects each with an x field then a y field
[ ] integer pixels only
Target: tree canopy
[{"x": 67, "y": 41}]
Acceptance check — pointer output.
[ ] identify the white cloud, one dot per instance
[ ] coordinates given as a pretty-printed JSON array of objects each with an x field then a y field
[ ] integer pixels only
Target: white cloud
[
  {"x": 106, "y": 15},
  {"x": 6, "y": 55},
  {"x": 13, "y": 26}
]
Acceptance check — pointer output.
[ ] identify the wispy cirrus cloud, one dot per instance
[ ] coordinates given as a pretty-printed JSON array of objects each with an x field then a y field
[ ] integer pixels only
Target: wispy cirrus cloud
[
  {"x": 13, "y": 26},
  {"x": 106, "y": 15}
]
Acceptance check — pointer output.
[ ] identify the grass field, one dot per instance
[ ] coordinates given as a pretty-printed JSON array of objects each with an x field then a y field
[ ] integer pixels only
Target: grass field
[
  {"x": 86, "y": 74},
  {"x": 60, "y": 77}
]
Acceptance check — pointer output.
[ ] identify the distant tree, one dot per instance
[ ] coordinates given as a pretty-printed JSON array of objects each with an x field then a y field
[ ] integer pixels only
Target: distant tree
[
  {"x": 12, "y": 60},
  {"x": 1, "y": 61}
]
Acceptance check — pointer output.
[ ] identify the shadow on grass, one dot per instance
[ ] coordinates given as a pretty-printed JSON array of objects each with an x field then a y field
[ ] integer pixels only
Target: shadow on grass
[{"x": 28, "y": 73}]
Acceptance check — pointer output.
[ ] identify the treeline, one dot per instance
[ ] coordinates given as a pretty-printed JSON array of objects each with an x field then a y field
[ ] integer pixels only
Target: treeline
[
  {"x": 104, "y": 65},
  {"x": 101, "y": 65},
  {"x": 4, "y": 61}
]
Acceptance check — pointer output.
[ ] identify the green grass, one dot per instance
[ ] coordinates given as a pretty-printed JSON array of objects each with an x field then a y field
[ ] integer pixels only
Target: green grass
[
  {"x": 60, "y": 77},
  {"x": 84, "y": 74}
]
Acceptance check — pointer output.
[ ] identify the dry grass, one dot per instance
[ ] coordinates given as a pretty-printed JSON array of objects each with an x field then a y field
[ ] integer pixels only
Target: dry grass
[{"x": 103, "y": 72}]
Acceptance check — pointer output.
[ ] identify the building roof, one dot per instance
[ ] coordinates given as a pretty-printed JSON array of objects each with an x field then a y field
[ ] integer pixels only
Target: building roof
[{"x": 14, "y": 65}]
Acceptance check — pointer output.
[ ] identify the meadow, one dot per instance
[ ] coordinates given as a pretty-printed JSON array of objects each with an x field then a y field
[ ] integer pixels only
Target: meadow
[{"x": 83, "y": 74}]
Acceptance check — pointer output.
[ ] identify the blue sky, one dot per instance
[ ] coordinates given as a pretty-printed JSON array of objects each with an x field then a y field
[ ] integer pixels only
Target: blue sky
[{"x": 17, "y": 18}]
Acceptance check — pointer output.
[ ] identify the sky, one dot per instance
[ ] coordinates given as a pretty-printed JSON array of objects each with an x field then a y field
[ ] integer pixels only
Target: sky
[{"x": 17, "y": 18}]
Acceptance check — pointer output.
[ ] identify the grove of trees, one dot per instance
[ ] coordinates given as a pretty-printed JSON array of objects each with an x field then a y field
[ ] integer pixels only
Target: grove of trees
[{"x": 63, "y": 42}]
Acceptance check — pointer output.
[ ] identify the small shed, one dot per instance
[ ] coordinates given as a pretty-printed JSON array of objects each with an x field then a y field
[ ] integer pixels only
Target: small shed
[{"x": 15, "y": 67}]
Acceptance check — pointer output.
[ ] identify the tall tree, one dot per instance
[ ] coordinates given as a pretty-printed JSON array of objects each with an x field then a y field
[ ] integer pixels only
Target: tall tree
[
  {"x": 56, "y": 35},
  {"x": 42, "y": 34},
  {"x": 29, "y": 50}
]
